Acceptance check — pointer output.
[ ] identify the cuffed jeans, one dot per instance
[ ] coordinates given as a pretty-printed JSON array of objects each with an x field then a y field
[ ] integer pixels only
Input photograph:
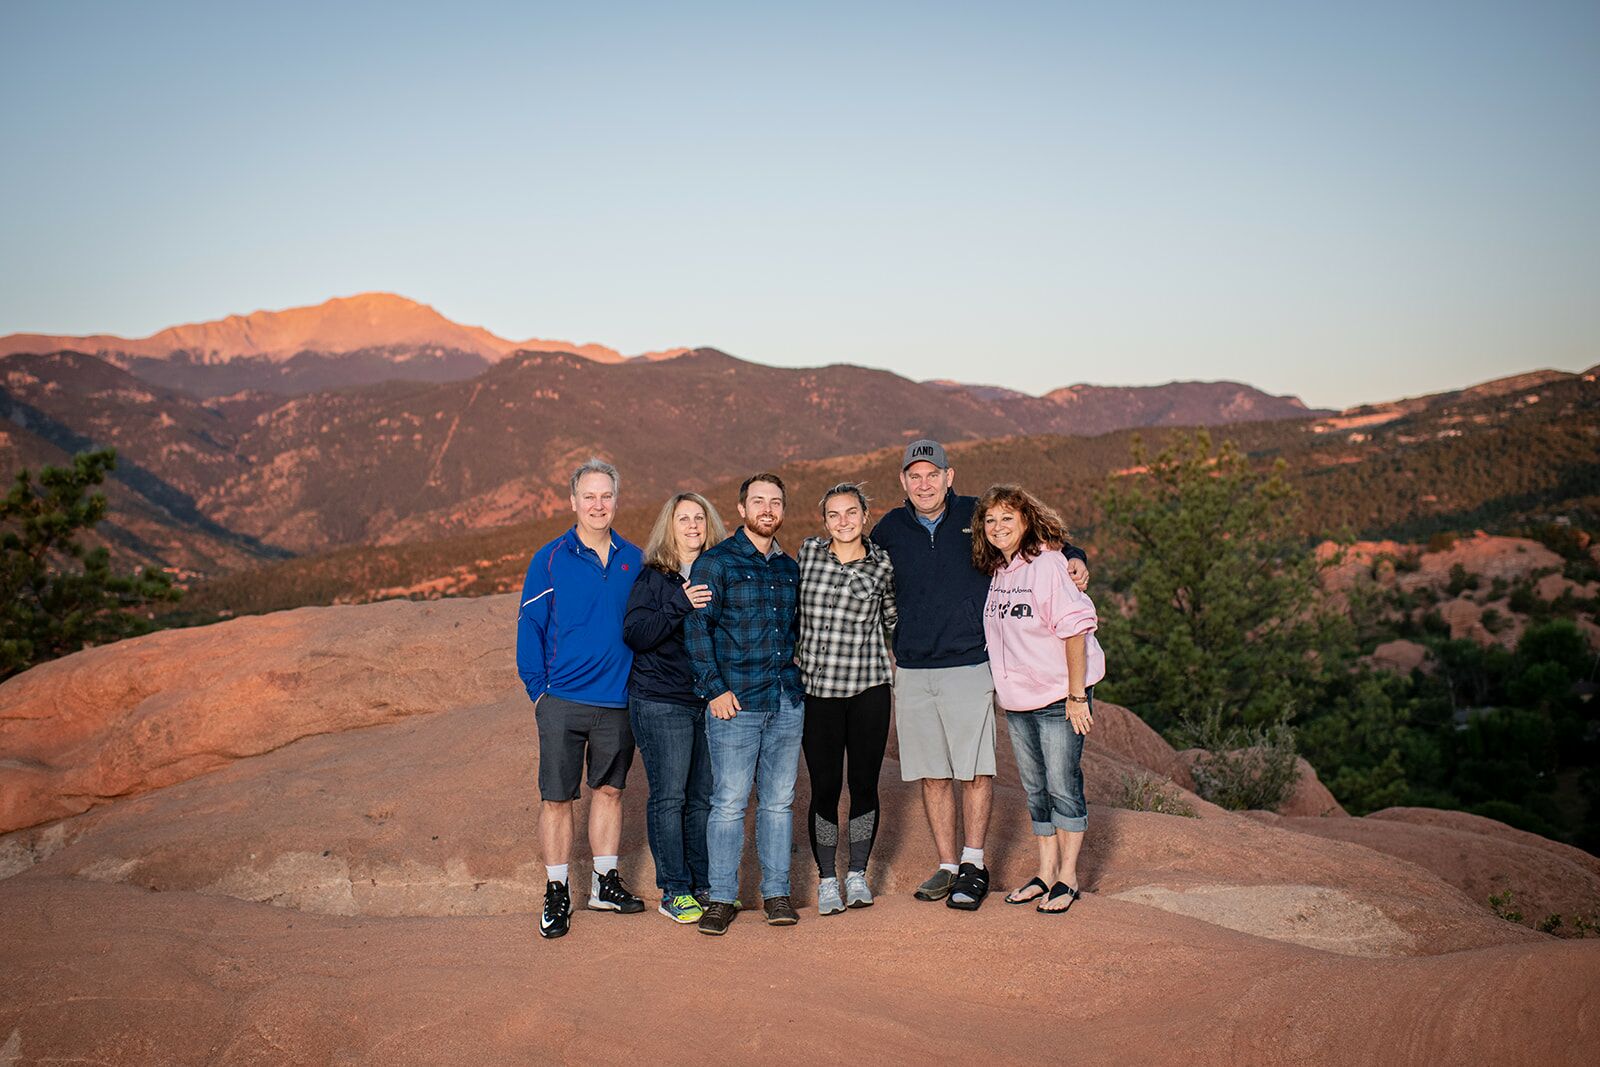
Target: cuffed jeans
[
  {"x": 672, "y": 740},
  {"x": 760, "y": 749},
  {"x": 1049, "y": 752}
]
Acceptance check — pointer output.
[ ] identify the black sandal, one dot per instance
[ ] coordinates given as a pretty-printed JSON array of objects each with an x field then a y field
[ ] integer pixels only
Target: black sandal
[
  {"x": 1029, "y": 884},
  {"x": 973, "y": 883},
  {"x": 1057, "y": 891}
]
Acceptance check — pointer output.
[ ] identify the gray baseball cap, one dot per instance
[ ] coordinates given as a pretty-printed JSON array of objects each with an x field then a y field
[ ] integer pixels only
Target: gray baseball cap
[{"x": 925, "y": 450}]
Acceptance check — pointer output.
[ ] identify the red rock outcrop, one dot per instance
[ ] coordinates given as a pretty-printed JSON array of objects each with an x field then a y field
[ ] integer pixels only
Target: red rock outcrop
[
  {"x": 1400, "y": 656},
  {"x": 1480, "y": 857},
  {"x": 1488, "y": 556},
  {"x": 362, "y": 892},
  {"x": 145, "y": 713}
]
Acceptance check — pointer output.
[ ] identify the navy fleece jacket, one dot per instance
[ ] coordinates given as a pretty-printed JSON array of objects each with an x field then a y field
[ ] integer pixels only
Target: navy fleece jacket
[{"x": 939, "y": 592}]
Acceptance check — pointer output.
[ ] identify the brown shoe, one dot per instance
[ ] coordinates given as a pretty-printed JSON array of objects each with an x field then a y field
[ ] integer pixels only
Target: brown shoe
[
  {"x": 780, "y": 912},
  {"x": 718, "y": 916}
]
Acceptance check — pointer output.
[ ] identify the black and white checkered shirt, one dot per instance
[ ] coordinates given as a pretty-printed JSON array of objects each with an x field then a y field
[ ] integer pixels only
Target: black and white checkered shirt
[{"x": 847, "y": 619}]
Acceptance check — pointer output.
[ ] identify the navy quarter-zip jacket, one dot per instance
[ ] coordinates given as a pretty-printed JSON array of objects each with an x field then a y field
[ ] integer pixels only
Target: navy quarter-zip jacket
[{"x": 939, "y": 592}]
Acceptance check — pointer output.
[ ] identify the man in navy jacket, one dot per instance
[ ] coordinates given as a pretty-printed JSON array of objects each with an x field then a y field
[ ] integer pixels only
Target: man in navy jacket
[
  {"x": 573, "y": 661},
  {"x": 943, "y": 691}
]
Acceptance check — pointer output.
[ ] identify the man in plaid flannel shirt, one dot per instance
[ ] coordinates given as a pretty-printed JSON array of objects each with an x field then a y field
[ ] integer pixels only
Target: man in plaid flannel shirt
[{"x": 742, "y": 647}]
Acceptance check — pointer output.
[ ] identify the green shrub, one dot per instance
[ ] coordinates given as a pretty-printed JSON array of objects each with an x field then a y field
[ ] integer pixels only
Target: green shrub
[
  {"x": 1149, "y": 792},
  {"x": 1505, "y": 905},
  {"x": 1460, "y": 580},
  {"x": 1244, "y": 768}
]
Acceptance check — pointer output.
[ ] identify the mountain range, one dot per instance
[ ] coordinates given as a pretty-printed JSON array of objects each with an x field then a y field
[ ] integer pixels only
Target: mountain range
[
  {"x": 211, "y": 480},
  {"x": 354, "y": 340}
]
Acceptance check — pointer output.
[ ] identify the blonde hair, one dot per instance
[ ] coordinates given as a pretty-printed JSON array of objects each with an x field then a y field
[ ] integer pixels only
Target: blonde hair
[{"x": 661, "y": 550}]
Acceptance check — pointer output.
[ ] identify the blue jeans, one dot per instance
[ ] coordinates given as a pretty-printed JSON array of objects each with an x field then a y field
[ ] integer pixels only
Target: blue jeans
[
  {"x": 1049, "y": 752},
  {"x": 759, "y": 748},
  {"x": 672, "y": 740}
]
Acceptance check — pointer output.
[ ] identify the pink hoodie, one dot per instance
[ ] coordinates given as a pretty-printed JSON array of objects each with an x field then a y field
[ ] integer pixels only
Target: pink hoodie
[{"x": 1032, "y": 607}]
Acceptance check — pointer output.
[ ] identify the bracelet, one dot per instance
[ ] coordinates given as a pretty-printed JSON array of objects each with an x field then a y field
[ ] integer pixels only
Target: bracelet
[{"x": 1077, "y": 700}]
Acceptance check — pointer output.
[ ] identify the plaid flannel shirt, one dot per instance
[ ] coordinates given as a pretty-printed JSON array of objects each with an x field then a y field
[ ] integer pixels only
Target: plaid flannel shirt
[
  {"x": 743, "y": 640},
  {"x": 847, "y": 619}
]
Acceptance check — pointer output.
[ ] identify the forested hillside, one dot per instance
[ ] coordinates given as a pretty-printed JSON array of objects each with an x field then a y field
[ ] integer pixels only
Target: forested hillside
[{"x": 1501, "y": 461}]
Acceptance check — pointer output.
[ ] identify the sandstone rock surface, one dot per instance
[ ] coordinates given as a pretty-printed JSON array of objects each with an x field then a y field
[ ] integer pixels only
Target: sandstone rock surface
[
  {"x": 1480, "y": 857},
  {"x": 366, "y": 892},
  {"x": 154, "y": 710}
]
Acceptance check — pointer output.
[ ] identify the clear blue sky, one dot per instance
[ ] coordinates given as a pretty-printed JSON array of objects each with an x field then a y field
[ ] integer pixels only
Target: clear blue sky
[{"x": 1344, "y": 201}]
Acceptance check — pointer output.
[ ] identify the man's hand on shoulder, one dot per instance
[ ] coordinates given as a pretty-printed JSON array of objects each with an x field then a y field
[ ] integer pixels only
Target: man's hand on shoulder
[
  {"x": 1078, "y": 571},
  {"x": 726, "y": 706}
]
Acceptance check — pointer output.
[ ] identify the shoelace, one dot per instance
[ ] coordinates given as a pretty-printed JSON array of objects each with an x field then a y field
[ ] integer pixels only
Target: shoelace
[{"x": 555, "y": 902}]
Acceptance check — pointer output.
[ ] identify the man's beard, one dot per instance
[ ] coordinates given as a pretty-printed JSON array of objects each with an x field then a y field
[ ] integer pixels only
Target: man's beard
[{"x": 764, "y": 526}]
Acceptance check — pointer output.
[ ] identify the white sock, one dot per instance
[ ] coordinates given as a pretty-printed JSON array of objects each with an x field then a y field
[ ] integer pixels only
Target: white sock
[
  {"x": 972, "y": 855},
  {"x": 556, "y": 872},
  {"x": 952, "y": 868},
  {"x": 605, "y": 864}
]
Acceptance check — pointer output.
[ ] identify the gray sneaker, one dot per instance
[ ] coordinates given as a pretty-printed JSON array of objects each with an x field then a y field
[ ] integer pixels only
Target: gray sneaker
[
  {"x": 828, "y": 902},
  {"x": 855, "y": 889},
  {"x": 937, "y": 887}
]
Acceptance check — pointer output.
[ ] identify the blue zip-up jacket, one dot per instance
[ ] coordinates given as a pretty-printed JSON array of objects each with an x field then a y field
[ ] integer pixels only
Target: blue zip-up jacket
[
  {"x": 569, "y": 630},
  {"x": 743, "y": 640},
  {"x": 939, "y": 592}
]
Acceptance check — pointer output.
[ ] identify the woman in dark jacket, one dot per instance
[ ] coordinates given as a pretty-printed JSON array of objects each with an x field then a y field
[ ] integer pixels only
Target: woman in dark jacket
[{"x": 668, "y": 719}]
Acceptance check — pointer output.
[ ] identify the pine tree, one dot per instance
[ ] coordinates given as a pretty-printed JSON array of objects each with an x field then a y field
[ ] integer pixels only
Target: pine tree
[
  {"x": 1224, "y": 621},
  {"x": 55, "y": 595}
]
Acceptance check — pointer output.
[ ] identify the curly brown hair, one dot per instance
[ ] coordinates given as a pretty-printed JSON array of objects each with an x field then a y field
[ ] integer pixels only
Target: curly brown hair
[{"x": 1042, "y": 526}]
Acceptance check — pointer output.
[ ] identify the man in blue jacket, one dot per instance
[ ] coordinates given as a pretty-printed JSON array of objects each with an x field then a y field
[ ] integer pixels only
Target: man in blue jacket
[
  {"x": 742, "y": 647},
  {"x": 943, "y": 691},
  {"x": 575, "y": 665}
]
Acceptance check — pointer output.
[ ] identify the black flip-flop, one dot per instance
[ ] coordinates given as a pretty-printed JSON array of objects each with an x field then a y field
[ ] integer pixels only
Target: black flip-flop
[
  {"x": 1060, "y": 889},
  {"x": 1030, "y": 883}
]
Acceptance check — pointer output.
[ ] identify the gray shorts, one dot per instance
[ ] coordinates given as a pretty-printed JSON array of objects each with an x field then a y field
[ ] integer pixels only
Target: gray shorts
[
  {"x": 944, "y": 720},
  {"x": 572, "y": 734}
]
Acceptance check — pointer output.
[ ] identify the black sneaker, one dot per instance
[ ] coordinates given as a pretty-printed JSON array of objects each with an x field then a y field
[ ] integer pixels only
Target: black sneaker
[
  {"x": 971, "y": 886},
  {"x": 719, "y": 915},
  {"x": 780, "y": 912},
  {"x": 557, "y": 915},
  {"x": 607, "y": 893}
]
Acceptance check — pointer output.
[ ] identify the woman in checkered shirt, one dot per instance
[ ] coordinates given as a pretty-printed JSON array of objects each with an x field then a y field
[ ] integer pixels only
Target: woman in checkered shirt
[{"x": 847, "y": 618}]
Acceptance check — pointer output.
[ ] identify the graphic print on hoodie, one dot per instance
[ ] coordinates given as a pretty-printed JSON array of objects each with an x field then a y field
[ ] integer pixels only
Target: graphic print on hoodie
[{"x": 1031, "y": 609}]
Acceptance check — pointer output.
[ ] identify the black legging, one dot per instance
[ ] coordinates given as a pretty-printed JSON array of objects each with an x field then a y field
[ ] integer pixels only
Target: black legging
[{"x": 837, "y": 726}]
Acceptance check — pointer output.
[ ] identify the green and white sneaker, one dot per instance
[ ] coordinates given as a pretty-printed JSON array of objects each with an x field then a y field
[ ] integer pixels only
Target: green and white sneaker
[{"x": 682, "y": 908}]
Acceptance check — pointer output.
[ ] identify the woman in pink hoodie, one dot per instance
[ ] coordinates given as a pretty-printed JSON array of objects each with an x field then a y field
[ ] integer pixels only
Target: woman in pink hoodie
[{"x": 1040, "y": 631}]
